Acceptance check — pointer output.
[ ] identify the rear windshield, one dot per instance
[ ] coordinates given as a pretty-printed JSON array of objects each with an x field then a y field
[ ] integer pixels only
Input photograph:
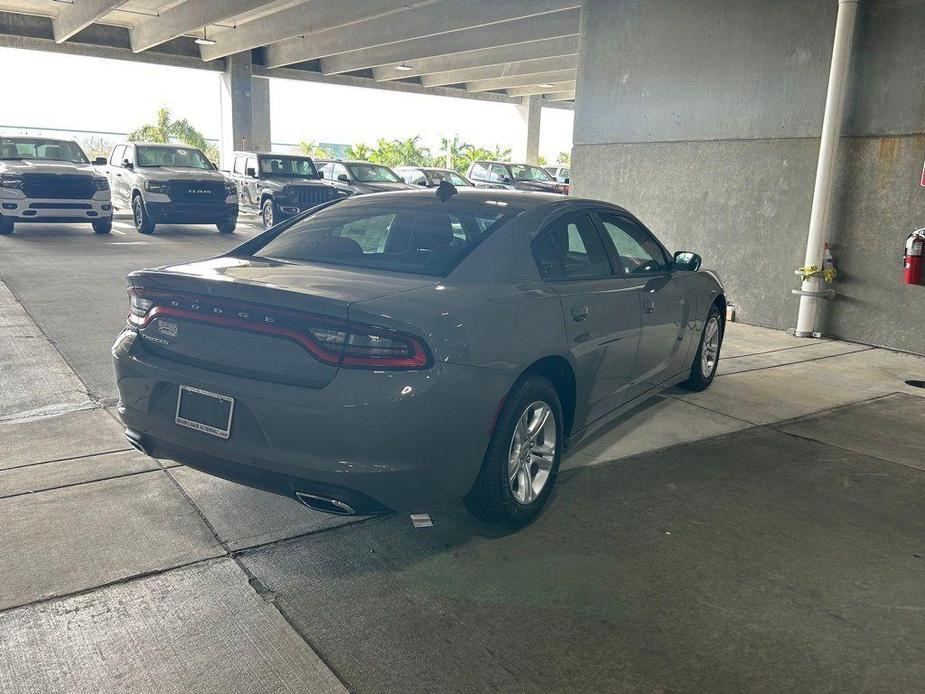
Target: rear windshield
[
  {"x": 41, "y": 149},
  {"x": 522, "y": 172},
  {"x": 420, "y": 237},
  {"x": 373, "y": 173},
  {"x": 437, "y": 175},
  {"x": 188, "y": 157}
]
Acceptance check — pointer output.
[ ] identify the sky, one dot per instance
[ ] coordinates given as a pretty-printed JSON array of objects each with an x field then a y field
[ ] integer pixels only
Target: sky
[{"x": 113, "y": 96}]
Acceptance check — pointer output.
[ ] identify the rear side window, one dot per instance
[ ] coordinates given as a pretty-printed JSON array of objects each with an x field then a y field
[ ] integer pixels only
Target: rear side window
[
  {"x": 479, "y": 172},
  {"x": 570, "y": 248},
  {"x": 423, "y": 237},
  {"x": 639, "y": 252}
]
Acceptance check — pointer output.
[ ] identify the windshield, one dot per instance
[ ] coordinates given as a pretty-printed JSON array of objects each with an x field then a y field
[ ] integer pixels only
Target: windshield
[
  {"x": 373, "y": 173},
  {"x": 420, "y": 237},
  {"x": 437, "y": 175},
  {"x": 42, "y": 149},
  {"x": 171, "y": 156},
  {"x": 522, "y": 172},
  {"x": 288, "y": 166}
]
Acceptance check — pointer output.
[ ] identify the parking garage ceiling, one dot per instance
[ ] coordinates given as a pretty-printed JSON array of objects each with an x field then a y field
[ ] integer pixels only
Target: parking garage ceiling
[{"x": 479, "y": 48}]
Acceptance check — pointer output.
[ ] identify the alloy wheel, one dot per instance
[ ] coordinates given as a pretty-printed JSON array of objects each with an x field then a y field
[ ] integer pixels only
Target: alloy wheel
[
  {"x": 710, "y": 351},
  {"x": 267, "y": 216},
  {"x": 532, "y": 452}
]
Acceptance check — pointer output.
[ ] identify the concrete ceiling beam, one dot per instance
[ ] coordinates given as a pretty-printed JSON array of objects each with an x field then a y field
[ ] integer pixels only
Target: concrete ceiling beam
[
  {"x": 185, "y": 18},
  {"x": 76, "y": 16},
  {"x": 475, "y": 74}
]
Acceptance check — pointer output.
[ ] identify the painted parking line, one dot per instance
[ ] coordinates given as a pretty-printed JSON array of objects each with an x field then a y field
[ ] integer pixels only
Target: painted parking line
[{"x": 120, "y": 233}]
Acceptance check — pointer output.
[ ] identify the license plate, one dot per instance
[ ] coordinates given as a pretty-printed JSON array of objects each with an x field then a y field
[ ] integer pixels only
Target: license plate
[{"x": 203, "y": 411}]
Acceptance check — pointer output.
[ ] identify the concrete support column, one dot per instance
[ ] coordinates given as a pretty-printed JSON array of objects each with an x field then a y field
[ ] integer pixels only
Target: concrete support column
[
  {"x": 260, "y": 91},
  {"x": 530, "y": 110},
  {"x": 237, "y": 105}
]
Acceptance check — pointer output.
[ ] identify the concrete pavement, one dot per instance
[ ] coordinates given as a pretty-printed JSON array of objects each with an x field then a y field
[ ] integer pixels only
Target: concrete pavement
[{"x": 765, "y": 535}]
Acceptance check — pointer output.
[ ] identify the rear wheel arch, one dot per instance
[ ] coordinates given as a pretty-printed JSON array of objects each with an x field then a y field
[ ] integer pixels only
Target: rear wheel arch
[{"x": 560, "y": 373}]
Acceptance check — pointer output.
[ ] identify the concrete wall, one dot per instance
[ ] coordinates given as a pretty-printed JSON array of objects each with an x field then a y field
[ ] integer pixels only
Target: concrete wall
[{"x": 703, "y": 118}]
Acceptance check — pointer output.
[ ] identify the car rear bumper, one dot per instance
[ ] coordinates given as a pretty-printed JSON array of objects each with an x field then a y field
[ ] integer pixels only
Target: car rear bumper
[
  {"x": 190, "y": 212},
  {"x": 376, "y": 440}
]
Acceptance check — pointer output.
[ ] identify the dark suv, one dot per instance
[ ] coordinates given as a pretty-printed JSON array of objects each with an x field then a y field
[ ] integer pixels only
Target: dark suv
[
  {"x": 361, "y": 177},
  {"x": 278, "y": 186},
  {"x": 510, "y": 176}
]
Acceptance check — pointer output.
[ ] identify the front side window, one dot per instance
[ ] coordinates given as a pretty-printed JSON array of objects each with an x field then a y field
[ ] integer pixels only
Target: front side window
[
  {"x": 424, "y": 237},
  {"x": 570, "y": 248},
  {"x": 327, "y": 170},
  {"x": 302, "y": 167},
  {"x": 639, "y": 252},
  {"x": 129, "y": 155},
  {"x": 479, "y": 172},
  {"x": 42, "y": 150},
  {"x": 239, "y": 165},
  {"x": 181, "y": 157},
  {"x": 498, "y": 173},
  {"x": 440, "y": 175},
  {"x": 373, "y": 173},
  {"x": 416, "y": 177},
  {"x": 118, "y": 154},
  {"x": 522, "y": 172},
  {"x": 339, "y": 170},
  {"x": 251, "y": 166}
]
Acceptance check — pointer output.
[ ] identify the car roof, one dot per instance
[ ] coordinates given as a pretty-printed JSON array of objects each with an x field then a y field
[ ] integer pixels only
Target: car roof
[
  {"x": 250, "y": 152},
  {"x": 522, "y": 199},
  {"x": 165, "y": 145},
  {"x": 33, "y": 138}
]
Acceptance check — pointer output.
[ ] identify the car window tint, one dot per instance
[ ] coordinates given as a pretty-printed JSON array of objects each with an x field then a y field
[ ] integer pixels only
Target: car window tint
[
  {"x": 639, "y": 252},
  {"x": 479, "y": 172},
  {"x": 570, "y": 248},
  {"x": 429, "y": 238}
]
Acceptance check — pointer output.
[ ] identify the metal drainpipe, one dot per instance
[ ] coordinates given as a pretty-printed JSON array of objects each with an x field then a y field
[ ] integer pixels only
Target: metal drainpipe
[{"x": 813, "y": 293}]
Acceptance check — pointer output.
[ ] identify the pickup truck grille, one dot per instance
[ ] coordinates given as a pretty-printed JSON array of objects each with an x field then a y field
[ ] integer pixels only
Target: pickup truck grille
[
  {"x": 196, "y": 191},
  {"x": 307, "y": 196},
  {"x": 58, "y": 186}
]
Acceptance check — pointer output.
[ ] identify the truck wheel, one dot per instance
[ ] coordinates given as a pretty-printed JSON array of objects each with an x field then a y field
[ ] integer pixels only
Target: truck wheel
[
  {"x": 6, "y": 226},
  {"x": 266, "y": 213},
  {"x": 228, "y": 225},
  {"x": 102, "y": 226},
  {"x": 143, "y": 223},
  {"x": 522, "y": 461}
]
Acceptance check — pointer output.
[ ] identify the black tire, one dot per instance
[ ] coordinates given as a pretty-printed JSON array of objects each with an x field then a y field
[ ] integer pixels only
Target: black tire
[
  {"x": 704, "y": 370},
  {"x": 493, "y": 497},
  {"x": 267, "y": 215},
  {"x": 102, "y": 226},
  {"x": 6, "y": 226},
  {"x": 227, "y": 226},
  {"x": 143, "y": 223}
]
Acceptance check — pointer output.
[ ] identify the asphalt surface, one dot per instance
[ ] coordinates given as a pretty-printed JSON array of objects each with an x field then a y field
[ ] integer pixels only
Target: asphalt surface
[{"x": 766, "y": 535}]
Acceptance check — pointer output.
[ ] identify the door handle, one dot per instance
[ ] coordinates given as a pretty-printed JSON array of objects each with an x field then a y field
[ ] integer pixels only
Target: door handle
[
  {"x": 649, "y": 306},
  {"x": 580, "y": 313}
]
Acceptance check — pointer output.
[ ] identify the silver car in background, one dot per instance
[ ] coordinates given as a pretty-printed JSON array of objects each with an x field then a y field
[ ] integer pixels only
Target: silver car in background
[{"x": 388, "y": 351}]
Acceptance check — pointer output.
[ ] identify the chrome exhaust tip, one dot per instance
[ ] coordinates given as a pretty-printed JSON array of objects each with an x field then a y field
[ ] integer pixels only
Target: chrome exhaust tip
[{"x": 325, "y": 504}]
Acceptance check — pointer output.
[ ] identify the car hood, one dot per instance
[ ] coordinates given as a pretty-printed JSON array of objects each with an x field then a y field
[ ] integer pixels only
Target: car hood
[
  {"x": 182, "y": 173},
  {"x": 23, "y": 166},
  {"x": 338, "y": 284},
  {"x": 383, "y": 187},
  {"x": 283, "y": 181}
]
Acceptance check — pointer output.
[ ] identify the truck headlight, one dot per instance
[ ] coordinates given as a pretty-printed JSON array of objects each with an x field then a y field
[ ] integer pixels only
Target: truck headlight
[
  {"x": 11, "y": 181},
  {"x": 156, "y": 186},
  {"x": 101, "y": 183},
  {"x": 231, "y": 188}
]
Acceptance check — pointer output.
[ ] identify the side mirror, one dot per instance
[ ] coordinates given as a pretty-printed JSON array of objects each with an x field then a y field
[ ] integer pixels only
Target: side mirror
[
  {"x": 250, "y": 172},
  {"x": 343, "y": 177},
  {"x": 507, "y": 180},
  {"x": 100, "y": 161},
  {"x": 566, "y": 180},
  {"x": 687, "y": 261},
  {"x": 126, "y": 164}
]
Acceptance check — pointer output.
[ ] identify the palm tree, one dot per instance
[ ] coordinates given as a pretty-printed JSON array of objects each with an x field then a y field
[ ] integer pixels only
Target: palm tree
[
  {"x": 564, "y": 158},
  {"x": 166, "y": 130},
  {"x": 312, "y": 150},
  {"x": 455, "y": 152},
  {"x": 359, "y": 151}
]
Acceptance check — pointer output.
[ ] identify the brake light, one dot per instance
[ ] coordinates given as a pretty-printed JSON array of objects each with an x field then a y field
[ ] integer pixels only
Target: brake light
[{"x": 332, "y": 341}]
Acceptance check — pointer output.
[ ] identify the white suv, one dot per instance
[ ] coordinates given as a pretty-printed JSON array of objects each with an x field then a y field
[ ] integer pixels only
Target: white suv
[{"x": 43, "y": 180}]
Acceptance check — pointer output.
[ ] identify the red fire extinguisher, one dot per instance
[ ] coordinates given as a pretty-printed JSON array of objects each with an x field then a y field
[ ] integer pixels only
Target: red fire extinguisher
[{"x": 912, "y": 260}]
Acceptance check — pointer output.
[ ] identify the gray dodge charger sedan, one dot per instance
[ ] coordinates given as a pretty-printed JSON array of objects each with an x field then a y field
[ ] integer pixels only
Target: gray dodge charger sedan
[{"x": 388, "y": 351}]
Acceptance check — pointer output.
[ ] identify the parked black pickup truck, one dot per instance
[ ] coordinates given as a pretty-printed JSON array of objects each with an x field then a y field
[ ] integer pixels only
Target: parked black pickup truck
[{"x": 278, "y": 186}]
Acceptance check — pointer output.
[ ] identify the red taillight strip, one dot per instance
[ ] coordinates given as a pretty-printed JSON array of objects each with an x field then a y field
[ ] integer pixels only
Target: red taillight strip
[
  {"x": 304, "y": 340},
  {"x": 419, "y": 360}
]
